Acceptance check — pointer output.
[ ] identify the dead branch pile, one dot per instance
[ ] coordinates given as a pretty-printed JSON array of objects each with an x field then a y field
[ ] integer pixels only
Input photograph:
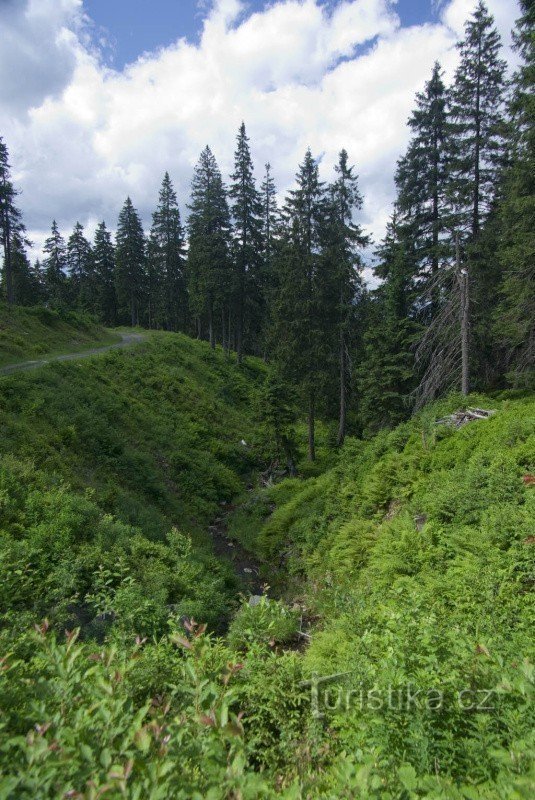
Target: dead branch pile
[{"x": 464, "y": 416}]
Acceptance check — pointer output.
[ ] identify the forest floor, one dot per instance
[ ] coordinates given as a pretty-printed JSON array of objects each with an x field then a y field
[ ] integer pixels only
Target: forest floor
[{"x": 127, "y": 339}]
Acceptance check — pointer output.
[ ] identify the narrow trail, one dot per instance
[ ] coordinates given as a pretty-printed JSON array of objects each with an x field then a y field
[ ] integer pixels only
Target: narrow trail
[
  {"x": 127, "y": 339},
  {"x": 244, "y": 564}
]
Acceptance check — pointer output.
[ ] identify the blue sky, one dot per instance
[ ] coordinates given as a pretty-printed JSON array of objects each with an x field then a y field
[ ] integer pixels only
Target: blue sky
[{"x": 137, "y": 26}]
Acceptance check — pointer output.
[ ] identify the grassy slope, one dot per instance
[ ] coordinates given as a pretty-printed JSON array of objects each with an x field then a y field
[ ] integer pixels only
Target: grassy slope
[
  {"x": 150, "y": 436},
  {"x": 30, "y": 333}
]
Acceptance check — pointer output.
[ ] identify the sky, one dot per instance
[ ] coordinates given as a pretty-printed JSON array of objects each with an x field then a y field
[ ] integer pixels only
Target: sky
[{"x": 98, "y": 98}]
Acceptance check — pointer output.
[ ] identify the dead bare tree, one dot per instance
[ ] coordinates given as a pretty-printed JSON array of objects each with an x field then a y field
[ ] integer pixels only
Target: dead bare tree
[{"x": 443, "y": 352}]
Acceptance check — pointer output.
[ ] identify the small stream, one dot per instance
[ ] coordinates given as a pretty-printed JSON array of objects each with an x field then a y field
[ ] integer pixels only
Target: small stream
[{"x": 244, "y": 564}]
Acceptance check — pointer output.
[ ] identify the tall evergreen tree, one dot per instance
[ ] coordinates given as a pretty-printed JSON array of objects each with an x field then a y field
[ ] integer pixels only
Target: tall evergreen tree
[
  {"x": 420, "y": 239},
  {"x": 79, "y": 259},
  {"x": 515, "y": 317},
  {"x": 386, "y": 373},
  {"x": 476, "y": 110},
  {"x": 28, "y": 290},
  {"x": 246, "y": 207},
  {"x": 208, "y": 265},
  {"x": 298, "y": 324},
  {"x": 54, "y": 266},
  {"x": 11, "y": 226},
  {"x": 270, "y": 232},
  {"x": 476, "y": 157},
  {"x": 130, "y": 263},
  {"x": 343, "y": 241},
  {"x": 270, "y": 216},
  {"x": 166, "y": 256},
  {"x": 421, "y": 181},
  {"x": 104, "y": 270}
]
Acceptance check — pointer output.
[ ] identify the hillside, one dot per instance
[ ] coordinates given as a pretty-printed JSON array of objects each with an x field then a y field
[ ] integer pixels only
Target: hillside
[
  {"x": 416, "y": 562},
  {"x": 407, "y": 567},
  {"x": 30, "y": 333},
  {"x": 114, "y": 468}
]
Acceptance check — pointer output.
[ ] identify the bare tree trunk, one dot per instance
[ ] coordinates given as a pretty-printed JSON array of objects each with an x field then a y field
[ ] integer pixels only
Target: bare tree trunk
[
  {"x": 311, "y": 423},
  {"x": 342, "y": 418},
  {"x": 463, "y": 278}
]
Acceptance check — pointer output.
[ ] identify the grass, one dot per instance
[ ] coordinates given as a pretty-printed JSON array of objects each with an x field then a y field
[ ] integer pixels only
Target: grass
[{"x": 33, "y": 333}]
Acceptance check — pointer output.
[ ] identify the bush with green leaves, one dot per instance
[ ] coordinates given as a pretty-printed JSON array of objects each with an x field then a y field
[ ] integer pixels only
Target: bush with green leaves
[
  {"x": 71, "y": 729},
  {"x": 263, "y": 621}
]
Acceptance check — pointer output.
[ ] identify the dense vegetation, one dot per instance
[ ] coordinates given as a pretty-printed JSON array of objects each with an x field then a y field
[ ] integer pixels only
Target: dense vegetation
[
  {"x": 408, "y": 567},
  {"x": 112, "y": 469}
]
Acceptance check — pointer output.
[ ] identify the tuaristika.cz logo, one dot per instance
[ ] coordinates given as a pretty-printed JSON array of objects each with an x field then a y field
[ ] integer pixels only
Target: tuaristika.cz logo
[{"x": 330, "y": 694}]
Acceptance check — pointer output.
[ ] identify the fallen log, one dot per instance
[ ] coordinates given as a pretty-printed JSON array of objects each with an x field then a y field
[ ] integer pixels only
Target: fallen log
[{"x": 464, "y": 416}]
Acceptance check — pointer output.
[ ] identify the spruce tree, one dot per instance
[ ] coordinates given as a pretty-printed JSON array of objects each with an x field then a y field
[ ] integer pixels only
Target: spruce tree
[
  {"x": 386, "y": 371},
  {"x": 421, "y": 181},
  {"x": 24, "y": 286},
  {"x": 270, "y": 232},
  {"x": 54, "y": 266},
  {"x": 476, "y": 111},
  {"x": 343, "y": 242},
  {"x": 270, "y": 216},
  {"x": 130, "y": 264},
  {"x": 208, "y": 264},
  {"x": 11, "y": 225},
  {"x": 166, "y": 261},
  {"x": 514, "y": 321},
  {"x": 420, "y": 238},
  {"x": 476, "y": 157},
  {"x": 278, "y": 416},
  {"x": 246, "y": 208},
  {"x": 298, "y": 333},
  {"x": 104, "y": 270},
  {"x": 79, "y": 260}
]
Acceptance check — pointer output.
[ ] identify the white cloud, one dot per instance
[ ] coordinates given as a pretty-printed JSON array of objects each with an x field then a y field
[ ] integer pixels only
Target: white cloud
[{"x": 82, "y": 136}]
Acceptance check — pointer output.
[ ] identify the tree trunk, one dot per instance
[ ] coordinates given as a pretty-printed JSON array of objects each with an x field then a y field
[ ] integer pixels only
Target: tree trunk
[
  {"x": 342, "y": 419},
  {"x": 8, "y": 266},
  {"x": 239, "y": 331},
  {"x": 223, "y": 331},
  {"x": 229, "y": 331},
  {"x": 477, "y": 178},
  {"x": 311, "y": 421},
  {"x": 463, "y": 277},
  {"x": 132, "y": 311},
  {"x": 211, "y": 332}
]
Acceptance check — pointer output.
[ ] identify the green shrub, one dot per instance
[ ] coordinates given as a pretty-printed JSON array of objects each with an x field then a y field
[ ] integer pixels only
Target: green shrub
[{"x": 267, "y": 622}]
